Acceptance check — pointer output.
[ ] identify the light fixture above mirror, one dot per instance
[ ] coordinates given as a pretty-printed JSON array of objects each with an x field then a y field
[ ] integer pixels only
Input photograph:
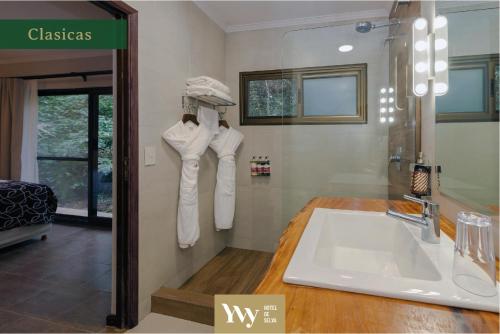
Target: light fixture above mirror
[{"x": 430, "y": 56}]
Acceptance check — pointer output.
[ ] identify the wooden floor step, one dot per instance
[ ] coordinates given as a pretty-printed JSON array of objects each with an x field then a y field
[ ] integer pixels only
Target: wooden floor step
[
  {"x": 232, "y": 271},
  {"x": 184, "y": 304}
]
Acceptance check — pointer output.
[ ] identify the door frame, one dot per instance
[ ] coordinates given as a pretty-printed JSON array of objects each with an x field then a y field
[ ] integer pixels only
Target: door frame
[{"x": 127, "y": 168}]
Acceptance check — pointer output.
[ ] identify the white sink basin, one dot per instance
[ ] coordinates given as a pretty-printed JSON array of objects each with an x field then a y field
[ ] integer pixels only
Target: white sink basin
[{"x": 371, "y": 253}]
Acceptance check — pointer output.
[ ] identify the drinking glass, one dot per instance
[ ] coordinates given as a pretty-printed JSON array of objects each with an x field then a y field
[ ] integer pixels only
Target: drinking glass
[{"x": 474, "y": 260}]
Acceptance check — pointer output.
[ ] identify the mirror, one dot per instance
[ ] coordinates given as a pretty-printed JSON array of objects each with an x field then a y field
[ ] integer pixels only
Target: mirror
[{"x": 467, "y": 133}]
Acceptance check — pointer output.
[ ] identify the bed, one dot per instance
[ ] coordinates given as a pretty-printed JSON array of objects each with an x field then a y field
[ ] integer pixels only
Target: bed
[{"x": 27, "y": 211}]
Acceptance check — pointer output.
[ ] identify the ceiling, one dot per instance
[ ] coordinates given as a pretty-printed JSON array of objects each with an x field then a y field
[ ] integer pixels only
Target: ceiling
[{"x": 234, "y": 16}]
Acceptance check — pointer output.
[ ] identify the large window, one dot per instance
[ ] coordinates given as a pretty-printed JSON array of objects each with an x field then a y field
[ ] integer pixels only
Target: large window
[
  {"x": 473, "y": 92},
  {"x": 75, "y": 139},
  {"x": 314, "y": 95}
]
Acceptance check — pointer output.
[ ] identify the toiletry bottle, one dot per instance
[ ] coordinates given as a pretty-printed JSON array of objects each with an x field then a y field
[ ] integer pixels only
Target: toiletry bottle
[
  {"x": 253, "y": 167},
  {"x": 266, "y": 166},
  {"x": 260, "y": 169}
]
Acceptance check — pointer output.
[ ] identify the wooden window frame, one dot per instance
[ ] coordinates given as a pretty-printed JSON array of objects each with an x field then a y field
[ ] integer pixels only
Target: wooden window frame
[
  {"x": 487, "y": 63},
  {"x": 299, "y": 74}
]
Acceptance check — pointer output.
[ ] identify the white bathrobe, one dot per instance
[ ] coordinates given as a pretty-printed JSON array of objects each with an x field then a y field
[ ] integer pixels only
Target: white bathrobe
[
  {"x": 191, "y": 142},
  {"x": 225, "y": 144}
]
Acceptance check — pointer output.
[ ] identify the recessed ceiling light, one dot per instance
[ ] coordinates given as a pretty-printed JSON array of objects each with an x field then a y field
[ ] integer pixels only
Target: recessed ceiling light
[{"x": 345, "y": 48}]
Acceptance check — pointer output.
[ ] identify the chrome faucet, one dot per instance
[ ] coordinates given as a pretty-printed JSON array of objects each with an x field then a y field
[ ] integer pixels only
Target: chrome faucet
[{"x": 428, "y": 222}]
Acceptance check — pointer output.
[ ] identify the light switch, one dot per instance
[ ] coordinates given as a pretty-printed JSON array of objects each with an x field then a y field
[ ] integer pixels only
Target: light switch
[{"x": 149, "y": 155}]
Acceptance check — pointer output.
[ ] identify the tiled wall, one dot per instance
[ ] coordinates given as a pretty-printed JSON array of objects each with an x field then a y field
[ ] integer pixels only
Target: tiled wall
[{"x": 176, "y": 41}]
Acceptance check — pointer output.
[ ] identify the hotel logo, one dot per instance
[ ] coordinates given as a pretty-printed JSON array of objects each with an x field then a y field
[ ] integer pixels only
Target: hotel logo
[{"x": 249, "y": 313}]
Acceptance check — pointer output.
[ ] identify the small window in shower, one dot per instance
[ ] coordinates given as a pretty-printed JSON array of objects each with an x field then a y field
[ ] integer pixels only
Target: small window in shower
[
  {"x": 272, "y": 97},
  {"x": 330, "y": 96},
  {"x": 472, "y": 96},
  {"x": 313, "y": 95}
]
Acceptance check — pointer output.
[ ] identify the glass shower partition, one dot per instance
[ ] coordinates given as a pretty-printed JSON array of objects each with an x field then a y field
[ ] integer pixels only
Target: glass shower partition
[{"x": 339, "y": 147}]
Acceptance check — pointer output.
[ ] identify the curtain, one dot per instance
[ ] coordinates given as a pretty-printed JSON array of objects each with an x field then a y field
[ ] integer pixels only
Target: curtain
[
  {"x": 29, "y": 163},
  {"x": 11, "y": 126}
]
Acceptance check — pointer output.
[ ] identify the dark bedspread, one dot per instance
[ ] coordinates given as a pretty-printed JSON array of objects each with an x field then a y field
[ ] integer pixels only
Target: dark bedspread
[{"x": 23, "y": 204}]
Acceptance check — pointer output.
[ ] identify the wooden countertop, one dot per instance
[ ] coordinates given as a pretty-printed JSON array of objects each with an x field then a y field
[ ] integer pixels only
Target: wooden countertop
[{"x": 310, "y": 309}]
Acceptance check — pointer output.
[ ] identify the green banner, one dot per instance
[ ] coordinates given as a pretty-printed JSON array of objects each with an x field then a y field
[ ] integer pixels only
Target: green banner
[{"x": 63, "y": 34}]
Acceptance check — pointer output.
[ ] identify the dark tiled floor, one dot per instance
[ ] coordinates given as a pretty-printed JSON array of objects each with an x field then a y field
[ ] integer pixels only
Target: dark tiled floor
[{"x": 62, "y": 284}]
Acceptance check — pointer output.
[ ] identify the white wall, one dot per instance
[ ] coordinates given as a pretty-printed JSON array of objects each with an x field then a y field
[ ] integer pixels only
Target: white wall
[
  {"x": 473, "y": 32},
  {"x": 468, "y": 152},
  {"x": 307, "y": 160},
  {"x": 176, "y": 41}
]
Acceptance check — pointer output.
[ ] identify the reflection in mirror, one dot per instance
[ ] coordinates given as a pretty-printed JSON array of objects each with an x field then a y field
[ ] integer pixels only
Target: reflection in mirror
[{"x": 467, "y": 116}]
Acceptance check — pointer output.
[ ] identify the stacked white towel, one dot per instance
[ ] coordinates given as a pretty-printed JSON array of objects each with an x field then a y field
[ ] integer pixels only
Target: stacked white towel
[
  {"x": 208, "y": 82},
  {"x": 204, "y": 85}
]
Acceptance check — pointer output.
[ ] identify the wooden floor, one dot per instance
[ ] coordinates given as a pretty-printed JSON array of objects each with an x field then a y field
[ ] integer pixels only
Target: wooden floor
[{"x": 232, "y": 271}]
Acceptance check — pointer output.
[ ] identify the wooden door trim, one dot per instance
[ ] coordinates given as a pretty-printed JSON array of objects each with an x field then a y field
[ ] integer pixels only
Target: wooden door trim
[{"x": 127, "y": 168}]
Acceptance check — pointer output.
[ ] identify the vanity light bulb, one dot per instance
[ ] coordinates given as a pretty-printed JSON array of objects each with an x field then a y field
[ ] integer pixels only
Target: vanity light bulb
[
  {"x": 421, "y": 67},
  {"x": 391, "y": 119},
  {"x": 382, "y": 90},
  {"x": 383, "y": 100},
  {"x": 391, "y": 100},
  {"x": 440, "y": 88},
  {"x": 391, "y": 109},
  {"x": 440, "y": 66},
  {"x": 440, "y": 22},
  {"x": 391, "y": 90},
  {"x": 383, "y": 110},
  {"x": 382, "y": 119},
  {"x": 421, "y": 46},
  {"x": 421, "y": 89},
  {"x": 420, "y": 24},
  {"x": 440, "y": 44}
]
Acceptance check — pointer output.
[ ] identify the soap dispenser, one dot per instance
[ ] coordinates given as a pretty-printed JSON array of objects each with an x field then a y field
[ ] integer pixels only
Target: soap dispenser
[{"x": 421, "y": 178}]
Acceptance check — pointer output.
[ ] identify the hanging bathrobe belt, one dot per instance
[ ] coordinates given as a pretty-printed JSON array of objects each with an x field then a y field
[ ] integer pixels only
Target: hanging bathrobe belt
[{"x": 225, "y": 155}]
